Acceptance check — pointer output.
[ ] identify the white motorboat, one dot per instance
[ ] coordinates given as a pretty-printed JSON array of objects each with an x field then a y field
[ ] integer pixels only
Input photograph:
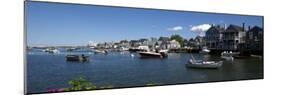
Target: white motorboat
[
  {"x": 204, "y": 64},
  {"x": 51, "y": 50},
  {"x": 193, "y": 63},
  {"x": 100, "y": 51},
  {"x": 226, "y": 57},
  {"x": 205, "y": 50},
  {"x": 152, "y": 54},
  {"x": 229, "y": 55}
]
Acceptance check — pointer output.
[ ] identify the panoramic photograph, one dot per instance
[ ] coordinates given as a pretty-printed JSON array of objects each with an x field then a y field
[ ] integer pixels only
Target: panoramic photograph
[{"x": 76, "y": 47}]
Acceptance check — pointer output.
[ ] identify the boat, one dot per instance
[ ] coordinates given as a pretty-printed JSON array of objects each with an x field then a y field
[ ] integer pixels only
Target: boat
[
  {"x": 193, "y": 63},
  {"x": 153, "y": 54},
  {"x": 228, "y": 55},
  {"x": 51, "y": 50},
  {"x": 77, "y": 58},
  {"x": 204, "y": 64},
  {"x": 139, "y": 49},
  {"x": 71, "y": 49},
  {"x": 124, "y": 49},
  {"x": 100, "y": 51},
  {"x": 205, "y": 50}
]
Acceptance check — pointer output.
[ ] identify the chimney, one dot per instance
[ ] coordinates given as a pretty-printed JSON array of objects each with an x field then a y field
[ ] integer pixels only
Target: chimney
[
  {"x": 243, "y": 26},
  {"x": 249, "y": 27}
]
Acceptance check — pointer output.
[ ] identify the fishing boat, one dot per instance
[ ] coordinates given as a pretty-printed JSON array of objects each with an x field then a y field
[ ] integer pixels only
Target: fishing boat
[
  {"x": 204, "y": 64},
  {"x": 77, "y": 58}
]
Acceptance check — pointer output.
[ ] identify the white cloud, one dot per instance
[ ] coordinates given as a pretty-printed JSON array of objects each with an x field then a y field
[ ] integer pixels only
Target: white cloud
[
  {"x": 176, "y": 28},
  {"x": 200, "y": 28}
]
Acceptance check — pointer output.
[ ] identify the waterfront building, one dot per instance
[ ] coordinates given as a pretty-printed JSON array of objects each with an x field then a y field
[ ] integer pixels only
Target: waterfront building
[
  {"x": 134, "y": 43},
  {"x": 214, "y": 37},
  {"x": 234, "y": 36},
  {"x": 173, "y": 45},
  {"x": 185, "y": 43},
  {"x": 163, "y": 42},
  {"x": 192, "y": 44},
  {"x": 254, "y": 38},
  {"x": 200, "y": 41},
  {"x": 124, "y": 44}
]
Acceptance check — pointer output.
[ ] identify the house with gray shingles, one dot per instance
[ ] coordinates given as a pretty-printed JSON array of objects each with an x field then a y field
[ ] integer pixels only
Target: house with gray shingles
[
  {"x": 163, "y": 42},
  {"x": 214, "y": 37},
  {"x": 233, "y": 37},
  {"x": 254, "y": 38}
]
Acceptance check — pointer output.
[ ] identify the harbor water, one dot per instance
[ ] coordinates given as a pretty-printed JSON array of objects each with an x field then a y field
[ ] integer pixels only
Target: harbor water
[{"x": 124, "y": 69}]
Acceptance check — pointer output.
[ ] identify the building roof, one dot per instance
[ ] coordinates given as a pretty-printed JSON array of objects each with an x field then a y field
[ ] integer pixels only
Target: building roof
[
  {"x": 256, "y": 28},
  {"x": 164, "y": 39},
  {"x": 234, "y": 27},
  {"x": 216, "y": 28}
]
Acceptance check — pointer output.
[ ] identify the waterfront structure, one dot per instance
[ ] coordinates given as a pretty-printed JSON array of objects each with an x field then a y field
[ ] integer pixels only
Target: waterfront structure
[
  {"x": 234, "y": 36},
  {"x": 134, "y": 43},
  {"x": 173, "y": 44},
  {"x": 200, "y": 41},
  {"x": 163, "y": 42},
  {"x": 124, "y": 44},
  {"x": 192, "y": 44},
  {"x": 254, "y": 38},
  {"x": 214, "y": 37},
  {"x": 185, "y": 43}
]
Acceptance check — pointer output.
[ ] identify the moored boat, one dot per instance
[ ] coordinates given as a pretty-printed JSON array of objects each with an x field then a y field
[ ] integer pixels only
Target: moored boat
[
  {"x": 100, "y": 51},
  {"x": 77, "y": 58},
  {"x": 204, "y": 64},
  {"x": 228, "y": 55},
  {"x": 71, "y": 49},
  {"x": 205, "y": 50},
  {"x": 150, "y": 54},
  {"x": 51, "y": 50}
]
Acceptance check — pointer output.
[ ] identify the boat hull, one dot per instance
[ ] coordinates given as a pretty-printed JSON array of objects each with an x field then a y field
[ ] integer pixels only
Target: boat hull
[
  {"x": 214, "y": 65},
  {"x": 152, "y": 55},
  {"x": 77, "y": 58}
]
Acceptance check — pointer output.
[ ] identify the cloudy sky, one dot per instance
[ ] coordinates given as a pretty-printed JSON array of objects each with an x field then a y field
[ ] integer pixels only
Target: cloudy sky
[{"x": 68, "y": 24}]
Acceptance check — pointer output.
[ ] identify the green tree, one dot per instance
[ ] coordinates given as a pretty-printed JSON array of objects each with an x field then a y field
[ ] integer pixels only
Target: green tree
[{"x": 178, "y": 38}]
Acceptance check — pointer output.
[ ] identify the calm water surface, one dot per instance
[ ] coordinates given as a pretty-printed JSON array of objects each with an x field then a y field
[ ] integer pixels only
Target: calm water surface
[{"x": 51, "y": 71}]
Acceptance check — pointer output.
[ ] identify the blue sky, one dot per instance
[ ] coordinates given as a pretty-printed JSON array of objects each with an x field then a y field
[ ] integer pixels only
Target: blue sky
[{"x": 68, "y": 24}]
